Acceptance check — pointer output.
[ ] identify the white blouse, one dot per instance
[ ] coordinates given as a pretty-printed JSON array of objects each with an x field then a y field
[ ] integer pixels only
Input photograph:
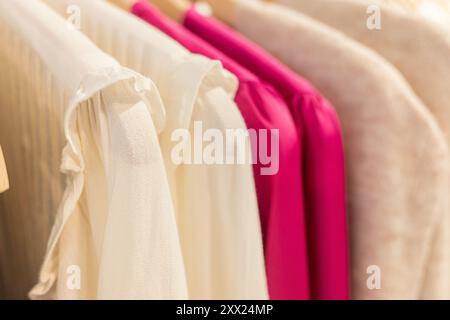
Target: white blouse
[
  {"x": 216, "y": 207},
  {"x": 114, "y": 234}
]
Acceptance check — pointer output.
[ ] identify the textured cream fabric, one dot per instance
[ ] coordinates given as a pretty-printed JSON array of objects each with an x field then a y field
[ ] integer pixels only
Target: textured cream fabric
[
  {"x": 4, "y": 182},
  {"x": 397, "y": 157},
  {"x": 114, "y": 235},
  {"x": 216, "y": 205},
  {"x": 419, "y": 49},
  {"x": 434, "y": 10}
]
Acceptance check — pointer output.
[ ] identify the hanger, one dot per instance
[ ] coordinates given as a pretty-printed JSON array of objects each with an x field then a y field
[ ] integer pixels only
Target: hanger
[
  {"x": 124, "y": 4},
  {"x": 174, "y": 9},
  {"x": 224, "y": 10}
]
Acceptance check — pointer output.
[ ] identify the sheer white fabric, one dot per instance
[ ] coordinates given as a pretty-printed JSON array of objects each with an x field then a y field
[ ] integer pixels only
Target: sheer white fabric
[
  {"x": 216, "y": 205},
  {"x": 114, "y": 235}
]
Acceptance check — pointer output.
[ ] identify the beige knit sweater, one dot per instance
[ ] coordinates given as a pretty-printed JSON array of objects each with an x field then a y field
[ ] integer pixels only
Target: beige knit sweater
[
  {"x": 397, "y": 158},
  {"x": 434, "y": 10},
  {"x": 419, "y": 48}
]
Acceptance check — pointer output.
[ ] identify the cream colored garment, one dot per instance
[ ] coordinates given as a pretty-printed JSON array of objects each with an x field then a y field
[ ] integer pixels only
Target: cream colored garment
[
  {"x": 216, "y": 205},
  {"x": 114, "y": 235},
  {"x": 4, "y": 183},
  {"x": 397, "y": 158},
  {"x": 418, "y": 48},
  {"x": 434, "y": 10}
]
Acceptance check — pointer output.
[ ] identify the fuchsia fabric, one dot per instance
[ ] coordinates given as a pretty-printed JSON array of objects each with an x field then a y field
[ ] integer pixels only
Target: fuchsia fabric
[
  {"x": 323, "y": 155},
  {"x": 280, "y": 196}
]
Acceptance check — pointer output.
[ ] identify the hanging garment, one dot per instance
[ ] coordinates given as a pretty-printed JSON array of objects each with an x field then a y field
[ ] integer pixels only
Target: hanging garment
[
  {"x": 4, "y": 183},
  {"x": 280, "y": 189},
  {"x": 397, "y": 158},
  {"x": 437, "y": 11},
  {"x": 216, "y": 207},
  {"x": 417, "y": 48},
  {"x": 420, "y": 50},
  {"x": 323, "y": 152},
  {"x": 59, "y": 89}
]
